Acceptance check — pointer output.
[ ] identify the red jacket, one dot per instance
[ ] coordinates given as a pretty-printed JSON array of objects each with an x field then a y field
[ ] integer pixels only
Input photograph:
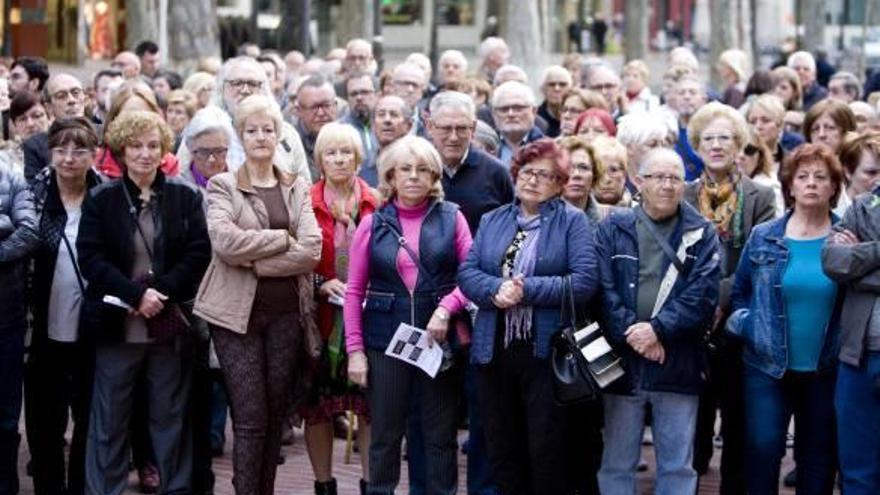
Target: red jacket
[
  {"x": 326, "y": 268},
  {"x": 109, "y": 167}
]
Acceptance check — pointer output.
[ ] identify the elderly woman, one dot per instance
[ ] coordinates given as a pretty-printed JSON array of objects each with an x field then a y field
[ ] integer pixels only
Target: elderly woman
[
  {"x": 756, "y": 162},
  {"x": 788, "y": 88},
  {"x": 611, "y": 189},
  {"x": 766, "y": 116},
  {"x": 200, "y": 84},
  {"x": 179, "y": 109},
  {"x": 586, "y": 170},
  {"x": 257, "y": 293},
  {"x": 208, "y": 135},
  {"x": 27, "y": 117},
  {"x": 595, "y": 122},
  {"x": 132, "y": 96},
  {"x": 59, "y": 367},
  {"x": 734, "y": 204},
  {"x": 575, "y": 102},
  {"x": 635, "y": 77},
  {"x": 403, "y": 263},
  {"x": 642, "y": 132},
  {"x": 529, "y": 256},
  {"x": 784, "y": 314},
  {"x": 733, "y": 66},
  {"x": 827, "y": 123},
  {"x": 340, "y": 200},
  {"x": 143, "y": 248}
]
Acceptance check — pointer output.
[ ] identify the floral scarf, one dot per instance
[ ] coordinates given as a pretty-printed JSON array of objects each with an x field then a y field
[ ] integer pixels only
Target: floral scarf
[
  {"x": 722, "y": 204},
  {"x": 519, "y": 259}
]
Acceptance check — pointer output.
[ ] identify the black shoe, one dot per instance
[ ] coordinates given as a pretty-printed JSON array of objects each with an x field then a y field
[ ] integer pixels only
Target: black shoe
[
  {"x": 790, "y": 480},
  {"x": 325, "y": 487},
  {"x": 363, "y": 487}
]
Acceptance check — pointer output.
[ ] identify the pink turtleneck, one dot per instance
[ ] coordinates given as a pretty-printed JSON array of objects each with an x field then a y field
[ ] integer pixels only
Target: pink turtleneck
[{"x": 410, "y": 218}]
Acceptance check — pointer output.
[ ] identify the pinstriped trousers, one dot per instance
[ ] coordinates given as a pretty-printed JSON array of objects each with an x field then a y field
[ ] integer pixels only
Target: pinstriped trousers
[{"x": 390, "y": 386}]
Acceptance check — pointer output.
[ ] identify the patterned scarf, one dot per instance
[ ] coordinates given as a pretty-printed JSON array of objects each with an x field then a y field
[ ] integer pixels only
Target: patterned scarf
[
  {"x": 721, "y": 203},
  {"x": 519, "y": 259}
]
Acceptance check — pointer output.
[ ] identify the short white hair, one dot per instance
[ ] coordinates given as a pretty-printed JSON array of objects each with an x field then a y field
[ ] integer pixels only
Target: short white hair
[
  {"x": 453, "y": 99},
  {"x": 657, "y": 154},
  {"x": 514, "y": 87},
  {"x": 556, "y": 70},
  {"x": 457, "y": 55},
  {"x": 209, "y": 119},
  {"x": 491, "y": 44},
  {"x": 421, "y": 60},
  {"x": 517, "y": 71},
  {"x": 803, "y": 56},
  {"x": 683, "y": 56},
  {"x": 634, "y": 129},
  {"x": 223, "y": 75}
]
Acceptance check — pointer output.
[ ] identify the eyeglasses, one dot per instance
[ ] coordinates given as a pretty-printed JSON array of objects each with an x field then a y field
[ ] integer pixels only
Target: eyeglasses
[
  {"x": 324, "y": 106},
  {"x": 410, "y": 85},
  {"x": 570, "y": 110},
  {"x": 556, "y": 84},
  {"x": 209, "y": 153},
  {"x": 459, "y": 130},
  {"x": 511, "y": 108},
  {"x": 239, "y": 84},
  {"x": 542, "y": 176},
  {"x": 603, "y": 87},
  {"x": 750, "y": 149},
  {"x": 67, "y": 93},
  {"x": 75, "y": 153},
  {"x": 722, "y": 139},
  {"x": 664, "y": 178},
  {"x": 358, "y": 94}
]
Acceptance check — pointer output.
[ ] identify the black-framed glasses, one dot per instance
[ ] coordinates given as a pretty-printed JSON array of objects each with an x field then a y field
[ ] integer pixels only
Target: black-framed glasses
[
  {"x": 751, "y": 149},
  {"x": 239, "y": 84},
  {"x": 663, "y": 178},
  {"x": 208, "y": 153}
]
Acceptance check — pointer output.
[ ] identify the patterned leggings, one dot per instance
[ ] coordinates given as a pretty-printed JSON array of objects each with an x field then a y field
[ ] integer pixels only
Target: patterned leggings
[{"x": 258, "y": 368}]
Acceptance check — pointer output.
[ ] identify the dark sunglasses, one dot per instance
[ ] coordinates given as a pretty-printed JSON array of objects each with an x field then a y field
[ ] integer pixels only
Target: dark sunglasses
[{"x": 751, "y": 150}]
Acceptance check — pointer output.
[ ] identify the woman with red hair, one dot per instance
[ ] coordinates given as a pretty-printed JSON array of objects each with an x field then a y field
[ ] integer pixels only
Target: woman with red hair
[{"x": 595, "y": 122}]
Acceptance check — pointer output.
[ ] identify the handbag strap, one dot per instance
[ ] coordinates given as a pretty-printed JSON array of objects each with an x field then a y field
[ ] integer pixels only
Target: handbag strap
[
  {"x": 568, "y": 302},
  {"x": 79, "y": 277},
  {"x": 137, "y": 223},
  {"x": 405, "y": 245},
  {"x": 664, "y": 244}
]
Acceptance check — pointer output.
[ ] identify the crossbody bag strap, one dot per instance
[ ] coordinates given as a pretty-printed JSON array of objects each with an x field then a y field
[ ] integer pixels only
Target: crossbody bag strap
[
  {"x": 401, "y": 240},
  {"x": 79, "y": 277},
  {"x": 664, "y": 244},
  {"x": 137, "y": 223},
  {"x": 568, "y": 303}
]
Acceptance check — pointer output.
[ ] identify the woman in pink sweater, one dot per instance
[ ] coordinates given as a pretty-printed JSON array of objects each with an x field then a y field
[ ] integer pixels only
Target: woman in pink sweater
[{"x": 403, "y": 267}]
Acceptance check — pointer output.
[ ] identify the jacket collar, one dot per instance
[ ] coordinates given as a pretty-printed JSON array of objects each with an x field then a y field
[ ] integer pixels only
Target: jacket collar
[
  {"x": 135, "y": 191},
  {"x": 367, "y": 198},
  {"x": 689, "y": 218},
  {"x": 243, "y": 179},
  {"x": 777, "y": 227}
]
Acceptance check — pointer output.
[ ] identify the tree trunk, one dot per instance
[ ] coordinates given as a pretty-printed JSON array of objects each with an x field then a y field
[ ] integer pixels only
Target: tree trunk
[
  {"x": 721, "y": 38},
  {"x": 193, "y": 31},
  {"x": 813, "y": 16},
  {"x": 635, "y": 29},
  {"x": 141, "y": 22},
  {"x": 521, "y": 28},
  {"x": 355, "y": 20},
  {"x": 295, "y": 16}
]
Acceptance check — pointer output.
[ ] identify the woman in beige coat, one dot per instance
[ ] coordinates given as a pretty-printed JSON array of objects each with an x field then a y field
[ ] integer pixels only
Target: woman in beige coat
[{"x": 257, "y": 293}]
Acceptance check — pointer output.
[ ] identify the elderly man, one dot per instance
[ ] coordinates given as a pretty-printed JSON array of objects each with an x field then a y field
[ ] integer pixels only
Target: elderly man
[
  {"x": 64, "y": 97},
  {"x": 690, "y": 96},
  {"x": 805, "y": 65},
  {"x": 18, "y": 237},
  {"x": 392, "y": 119},
  {"x": 604, "y": 80},
  {"x": 359, "y": 57},
  {"x": 128, "y": 63},
  {"x": 315, "y": 107},
  {"x": 514, "y": 110},
  {"x": 409, "y": 82},
  {"x": 239, "y": 78},
  {"x": 148, "y": 53},
  {"x": 360, "y": 91},
  {"x": 866, "y": 117},
  {"x": 844, "y": 86},
  {"x": 294, "y": 61},
  {"x": 493, "y": 53},
  {"x": 452, "y": 67},
  {"x": 556, "y": 82},
  {"x": 478, "y": 183},
  {"x": 656, "y": 306},
  {"x": 28, "y": 74}
]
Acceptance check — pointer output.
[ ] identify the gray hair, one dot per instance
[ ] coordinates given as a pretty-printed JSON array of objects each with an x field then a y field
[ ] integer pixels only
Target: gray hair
[
  {"x": 513, "y": 69},
  {"x": 315, "y": 81},
  {"x": 206, "y": 120},
  {"x": 458, "y": 56},
  {"x": 486, "y": 135},
  {"x": 850, "y": 83},
  {"x": 638, "y": 128},
  {"x": 514, "y": 86},
  {"x": 491, "y": 44},
  {"x": 453, "y": 99},
  {"x": 556, "y": 69},
  {"x": 657, "y": 154},
  {"x": 405, "y": 109},
  {"x": 803, "y": 56},
  {"x": 223, "y": 75}
]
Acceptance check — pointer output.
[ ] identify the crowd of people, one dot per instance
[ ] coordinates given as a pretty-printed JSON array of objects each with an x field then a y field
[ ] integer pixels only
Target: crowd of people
[{"x": 248, "y": 239}]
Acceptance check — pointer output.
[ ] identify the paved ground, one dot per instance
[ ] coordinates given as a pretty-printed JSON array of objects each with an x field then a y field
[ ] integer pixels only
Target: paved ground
[{"x": 295, "y": 478}]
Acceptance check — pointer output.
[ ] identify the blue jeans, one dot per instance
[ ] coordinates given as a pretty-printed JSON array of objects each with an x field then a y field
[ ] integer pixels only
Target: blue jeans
[
  {"x": 219, "y": 410},
  {"x": 11, "y": 375},
  {"x": 769, "y": 405},
  {"x": 857, "y": 401},
  {"x": 673, "y": 423}
]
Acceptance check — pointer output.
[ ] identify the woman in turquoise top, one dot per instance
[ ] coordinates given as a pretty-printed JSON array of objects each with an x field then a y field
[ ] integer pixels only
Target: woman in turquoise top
[{"x": 785, "y": 313}]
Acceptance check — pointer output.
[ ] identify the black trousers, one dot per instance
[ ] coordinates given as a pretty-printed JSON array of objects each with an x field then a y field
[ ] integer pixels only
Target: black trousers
[
  {"x": 200, "y": 410},
  {"x": 724, "y": 392},
  {"x": 58, "y": 379},
  {"x": 583, "y": 443},
  {"x": 525, "y": 429}
]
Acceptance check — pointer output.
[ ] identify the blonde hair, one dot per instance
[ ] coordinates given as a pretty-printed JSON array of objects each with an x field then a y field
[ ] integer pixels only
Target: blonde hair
[
  {"x": 738, "y": 62},
  {"x": 256, "y": 104},
  {"x": 771, "y": 104},
  {"x": 639, "y": 67},
  {"x": 609, "y": 148},
  {"x": 335, "y": 133},
  {"x": 410, "y": 147},
  {"x": 198, "y": 81},
  {"x": 128, "y": 126},
  {"x": 788, "y": 75},
  {"x": 714, "y": 110},
  {"x": 574, "y": 143},
  {"x": 185, "y": 98}
]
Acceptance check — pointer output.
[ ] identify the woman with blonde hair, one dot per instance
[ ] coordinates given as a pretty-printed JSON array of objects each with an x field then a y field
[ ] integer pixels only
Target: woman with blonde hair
[
  {"x": 788, "y": 88},
  {"x": 635, "y": 77},
  {"x": 257, "y": 295},
  {"x": 733, "y": 66},
  {"x": 341, "y": 200},
  {"x": 200, "y": 84},
  {"x": 404, "y": 260}
]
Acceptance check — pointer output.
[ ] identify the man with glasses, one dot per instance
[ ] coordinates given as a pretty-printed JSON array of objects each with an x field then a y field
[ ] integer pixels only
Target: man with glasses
[
  {"x": 409, "y": 82},
  {"x": 64, "y": 97},
  {"x": 128, "y": 63},
  {"x": 514, "y": 111},
  {"x": 604, "y": 80},
  {"x": 478, "y": 183},
  {"x": 557, "y": 81},
  {"x": 315, "y": 107},
  {"x": 660, "y": 270},
  {"x": 28, "y": 74},
  {"x": 239, "y": 78},
  {"x": 360, "y": 91}
]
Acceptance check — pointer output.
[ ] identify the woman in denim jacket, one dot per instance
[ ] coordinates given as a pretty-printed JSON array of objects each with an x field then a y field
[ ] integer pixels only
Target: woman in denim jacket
[{"x": 785, "y": 314}]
